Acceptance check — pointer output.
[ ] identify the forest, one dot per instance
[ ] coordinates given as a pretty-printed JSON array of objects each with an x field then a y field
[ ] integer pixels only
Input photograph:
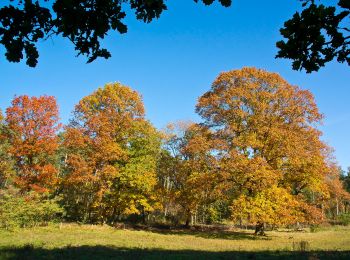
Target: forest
[{"x": 256, "y": 159}]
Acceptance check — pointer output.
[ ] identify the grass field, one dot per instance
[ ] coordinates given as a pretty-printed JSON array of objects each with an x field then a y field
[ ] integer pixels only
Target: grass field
[{"x": 103, "y": 242}]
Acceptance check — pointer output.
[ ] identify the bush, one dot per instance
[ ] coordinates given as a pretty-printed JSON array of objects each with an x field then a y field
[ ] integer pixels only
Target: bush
[
  {"x": 315, "y": 228},
  {"x": 212, "y": 215},
  {"x": 16, "y": 211},
  {"x": 344, "y": 219}
]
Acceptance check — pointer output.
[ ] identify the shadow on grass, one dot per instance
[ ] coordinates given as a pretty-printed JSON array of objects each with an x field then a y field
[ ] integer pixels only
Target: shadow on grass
[
  {"x": 214, "y": 232},
  {"x": 103, "y": 252},
  {"x": 229, "y": 235}
]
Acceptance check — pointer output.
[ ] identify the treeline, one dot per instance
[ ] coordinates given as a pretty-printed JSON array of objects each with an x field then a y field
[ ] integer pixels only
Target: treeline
[{"x": 256, "y": 158}]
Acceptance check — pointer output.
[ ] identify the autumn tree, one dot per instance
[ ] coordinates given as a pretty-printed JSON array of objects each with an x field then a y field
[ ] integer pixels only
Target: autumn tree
[
  {"x": 173, "y": 174},
  {"x": 339, "y": 198},
  {"x": 270, "y": 152},
  {"x": 32, "y": 124},
  {"x": 111, "y": 157},
  {"x": 6, "y": 161},
  {"x": 187, "y": 171}
]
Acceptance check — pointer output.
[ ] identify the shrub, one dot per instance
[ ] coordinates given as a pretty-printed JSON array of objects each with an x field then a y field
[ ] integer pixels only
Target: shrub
[
  {"x": 314, "y": 228},
  {"x": 344, "y": 219},
  {"x": 16, "y": 211}
]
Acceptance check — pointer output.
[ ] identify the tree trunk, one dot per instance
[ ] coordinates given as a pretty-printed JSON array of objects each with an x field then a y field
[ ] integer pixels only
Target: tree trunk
[
  {"x": 188, "y": 219},
  {"x": 260, "y": 229},
  {"x": 337, "y": 207},
  {"x": 187, "y": 224},
  {"x": 143, "y": 216}
]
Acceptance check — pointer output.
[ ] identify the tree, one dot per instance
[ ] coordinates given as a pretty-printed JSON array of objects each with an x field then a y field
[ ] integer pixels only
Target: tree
[
  {"x": 32, "y": 124},
  {"x": 266, "y": 139},
  {"x": 187, "y": 172},
  {"x": 317, "y": 35},
  {"x": 83, "y": 22},
  {"x": 111, "y": 157},
  {"x": 339, "y": 198},
  {"x": 345, "y": 177},
  {"x": 275, "y": 206},
  {"x": 6, "y": 161},
  {"x": 172, "y": 174}
]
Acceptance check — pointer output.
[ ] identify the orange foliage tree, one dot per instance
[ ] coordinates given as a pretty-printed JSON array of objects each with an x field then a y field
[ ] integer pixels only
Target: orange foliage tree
[
  {"x": 339, "y": 198},
  {"x": 111, "y": 156},
  {"x": 32, "y": 124},
  {"x": 270, "y": 153}
]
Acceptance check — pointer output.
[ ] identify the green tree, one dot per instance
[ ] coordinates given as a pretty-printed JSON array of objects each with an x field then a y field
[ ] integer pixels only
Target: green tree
[
  {"x": 7, "y": 172},
  {"x": 345, "y": 177},
  {"x": 30, "y": 210}
]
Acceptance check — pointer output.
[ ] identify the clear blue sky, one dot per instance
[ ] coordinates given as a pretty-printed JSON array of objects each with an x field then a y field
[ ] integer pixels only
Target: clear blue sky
[{"x": 173, "y": 61}]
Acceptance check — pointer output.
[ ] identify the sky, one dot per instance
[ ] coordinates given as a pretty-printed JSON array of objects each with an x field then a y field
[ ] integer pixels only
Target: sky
[{"x": 172, "y": 61}]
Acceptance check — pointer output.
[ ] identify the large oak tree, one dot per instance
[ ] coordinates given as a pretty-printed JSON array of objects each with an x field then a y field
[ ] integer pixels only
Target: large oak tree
[{"x": 271, "y": 156}]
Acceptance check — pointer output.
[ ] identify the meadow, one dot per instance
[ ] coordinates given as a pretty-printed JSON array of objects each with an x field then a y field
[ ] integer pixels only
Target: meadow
[{"x": 73, "y": 241}]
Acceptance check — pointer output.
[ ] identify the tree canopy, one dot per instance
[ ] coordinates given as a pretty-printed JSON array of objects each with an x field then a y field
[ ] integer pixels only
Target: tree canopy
[
  {"x": 110, "y": 157},
  {"x": 270, "y": 155},
  {"x": 255, "y": 158},
  {"x": 84, "y": 22},
  {"x": 317, "y": 35},
  {"x": 32, "y": 124}
]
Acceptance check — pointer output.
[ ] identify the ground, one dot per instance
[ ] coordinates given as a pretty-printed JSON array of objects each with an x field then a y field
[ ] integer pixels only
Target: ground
[{"x": 72, "y": 241}]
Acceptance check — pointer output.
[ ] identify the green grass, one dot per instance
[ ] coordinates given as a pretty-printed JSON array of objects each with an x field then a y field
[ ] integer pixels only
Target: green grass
[{"x": 103, "y": 242}]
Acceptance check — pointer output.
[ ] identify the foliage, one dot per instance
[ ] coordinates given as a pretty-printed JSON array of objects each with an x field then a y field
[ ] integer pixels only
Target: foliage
[
  {"x": 32, "y": 124},
  {"x": 344, "y": 219},
  {"x": 256, "y": 158},
  {"x": 317, "y": 35},
  {"x": 339, "y": 198},
  {"x": 6, "y": 161},
  {"x": 270, "y": 154},
  {"x": 313, "y": 37},
  {"x": 185, "y": 172},
  {"x": 83, "y": 22},
  {"x": 346, "y": 180},
  {"x": 111, "y": 157},
  {"x": 274, "y": 206},
  {"x": 29, "y": 211}
]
